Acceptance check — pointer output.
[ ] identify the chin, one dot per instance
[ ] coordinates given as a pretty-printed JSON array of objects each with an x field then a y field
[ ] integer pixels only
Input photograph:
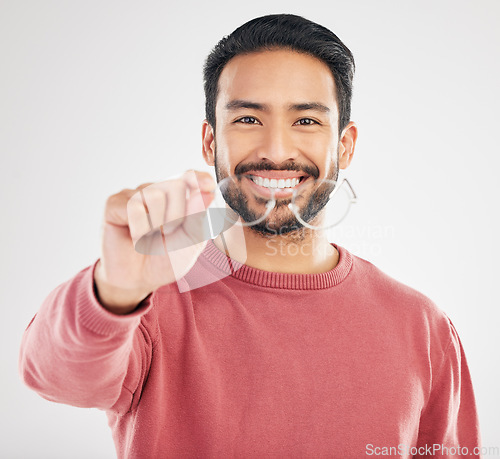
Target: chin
[{"x": 269, "y": 229}]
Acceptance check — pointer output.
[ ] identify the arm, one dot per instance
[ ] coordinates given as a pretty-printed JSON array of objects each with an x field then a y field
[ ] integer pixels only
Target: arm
[
  {"x": 450, "y": 418},
  {"x": 76, "y": 352}
]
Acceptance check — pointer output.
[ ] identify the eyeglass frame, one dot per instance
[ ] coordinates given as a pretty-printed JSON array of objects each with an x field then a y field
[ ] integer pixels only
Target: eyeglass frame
[{"x": 270, "y": 205}]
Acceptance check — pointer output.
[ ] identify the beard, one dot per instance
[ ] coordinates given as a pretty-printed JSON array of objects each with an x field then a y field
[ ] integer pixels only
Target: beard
[{"x": 281, "y": 220}]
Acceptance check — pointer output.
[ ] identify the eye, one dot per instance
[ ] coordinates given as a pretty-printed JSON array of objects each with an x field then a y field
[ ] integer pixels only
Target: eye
[
  {"x": 247, "y": 120},
  {"x": 310, "y": 122}
]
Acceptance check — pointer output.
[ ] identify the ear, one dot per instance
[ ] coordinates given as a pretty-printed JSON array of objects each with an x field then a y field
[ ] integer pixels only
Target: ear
[
  {"x": 208, "y": 143},
  {"x": 346, "y": 144}
]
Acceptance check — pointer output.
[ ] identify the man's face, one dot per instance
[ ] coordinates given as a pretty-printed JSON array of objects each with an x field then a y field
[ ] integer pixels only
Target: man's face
[{"x": 277, "y": 118}]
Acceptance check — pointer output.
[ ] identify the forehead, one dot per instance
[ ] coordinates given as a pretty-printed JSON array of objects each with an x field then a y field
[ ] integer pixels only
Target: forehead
[{"x": 277, "y": 77}]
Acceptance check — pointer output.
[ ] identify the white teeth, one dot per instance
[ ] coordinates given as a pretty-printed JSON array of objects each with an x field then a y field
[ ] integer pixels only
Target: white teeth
[{"x": 276, "y": 183}]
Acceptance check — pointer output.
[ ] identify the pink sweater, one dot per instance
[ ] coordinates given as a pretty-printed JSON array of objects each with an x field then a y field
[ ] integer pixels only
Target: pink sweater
[{"x": 259, "y": 364}]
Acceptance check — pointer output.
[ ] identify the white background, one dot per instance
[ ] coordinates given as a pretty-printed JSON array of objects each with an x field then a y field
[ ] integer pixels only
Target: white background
[{"x": 96, "y": 96}]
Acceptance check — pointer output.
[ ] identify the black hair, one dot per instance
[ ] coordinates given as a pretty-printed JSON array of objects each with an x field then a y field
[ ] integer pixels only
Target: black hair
[{"x": 282, "y": 31}]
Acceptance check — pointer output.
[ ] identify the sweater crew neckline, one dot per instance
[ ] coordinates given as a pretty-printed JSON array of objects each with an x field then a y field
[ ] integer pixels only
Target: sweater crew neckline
[{"x": 278, "y": 280}]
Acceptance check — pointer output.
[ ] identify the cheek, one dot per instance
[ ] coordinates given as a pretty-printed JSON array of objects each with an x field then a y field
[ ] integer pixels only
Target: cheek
[
  {"x": 319, "y": 149},
  {"x": 234, "y": 146}
]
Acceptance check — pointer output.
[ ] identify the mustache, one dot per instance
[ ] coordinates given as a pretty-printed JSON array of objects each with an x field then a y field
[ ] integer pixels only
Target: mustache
[{"x": 313, "y": 171}]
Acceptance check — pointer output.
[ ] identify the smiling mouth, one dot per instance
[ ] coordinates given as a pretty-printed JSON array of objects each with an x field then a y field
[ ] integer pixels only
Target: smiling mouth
[{"x": 281, "y": 184}]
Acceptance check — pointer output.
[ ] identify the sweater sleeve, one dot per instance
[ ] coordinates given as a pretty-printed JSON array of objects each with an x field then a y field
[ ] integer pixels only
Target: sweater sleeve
[
  {"x": 74, "y": 351},
  {"x": 449, "y": 420}
]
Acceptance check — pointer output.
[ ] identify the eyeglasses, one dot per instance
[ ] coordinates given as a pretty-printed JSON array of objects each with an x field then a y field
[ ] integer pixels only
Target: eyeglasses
[
  {"x": 248, "y": 200},
  {"x": 251, "y": 199}
]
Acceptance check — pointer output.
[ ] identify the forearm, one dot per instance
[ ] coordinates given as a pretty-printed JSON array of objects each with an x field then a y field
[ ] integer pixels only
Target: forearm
[{"x": 77, "y": 352}]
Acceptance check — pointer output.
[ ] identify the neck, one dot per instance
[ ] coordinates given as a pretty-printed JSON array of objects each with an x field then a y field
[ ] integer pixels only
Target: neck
[{"x": 299, "y": 252}]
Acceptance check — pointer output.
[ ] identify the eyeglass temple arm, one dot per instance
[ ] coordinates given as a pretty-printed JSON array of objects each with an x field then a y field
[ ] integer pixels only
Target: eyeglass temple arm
[{"x": 354, "y": 198}]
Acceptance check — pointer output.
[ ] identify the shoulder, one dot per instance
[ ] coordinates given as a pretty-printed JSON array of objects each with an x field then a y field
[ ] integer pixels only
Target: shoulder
[
  {"x": 422, "y": 328},
  {"x": 389, "y": 295}
]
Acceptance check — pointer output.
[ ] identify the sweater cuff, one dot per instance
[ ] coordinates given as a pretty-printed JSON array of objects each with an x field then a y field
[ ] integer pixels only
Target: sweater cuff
[{"x": 96, "y": 317}]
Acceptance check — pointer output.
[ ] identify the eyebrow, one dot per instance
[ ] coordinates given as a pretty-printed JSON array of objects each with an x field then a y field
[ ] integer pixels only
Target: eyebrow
[{"x": 239, "y": 103}]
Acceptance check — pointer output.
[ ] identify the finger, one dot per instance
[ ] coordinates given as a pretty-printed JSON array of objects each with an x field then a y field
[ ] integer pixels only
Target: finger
[
  {"x": 133, "y": 213},
  {"x": 195, "y": 225},
  {"x": 139, "y": 218},
  {"x": 201, "y": 190},
  {"x": 166, "y": 202},
  {"x": 199, "y": 180},
  {"x": 116, "y": 206},
  {"x": 176, "y": 205}
]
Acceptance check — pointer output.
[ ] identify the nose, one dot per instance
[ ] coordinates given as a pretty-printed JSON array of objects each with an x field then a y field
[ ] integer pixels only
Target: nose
[{"x": 277, "y": 145}]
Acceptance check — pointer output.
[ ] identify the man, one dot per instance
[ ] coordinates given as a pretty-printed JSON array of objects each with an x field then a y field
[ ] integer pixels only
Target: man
[{"x": 262, "y": 353}]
